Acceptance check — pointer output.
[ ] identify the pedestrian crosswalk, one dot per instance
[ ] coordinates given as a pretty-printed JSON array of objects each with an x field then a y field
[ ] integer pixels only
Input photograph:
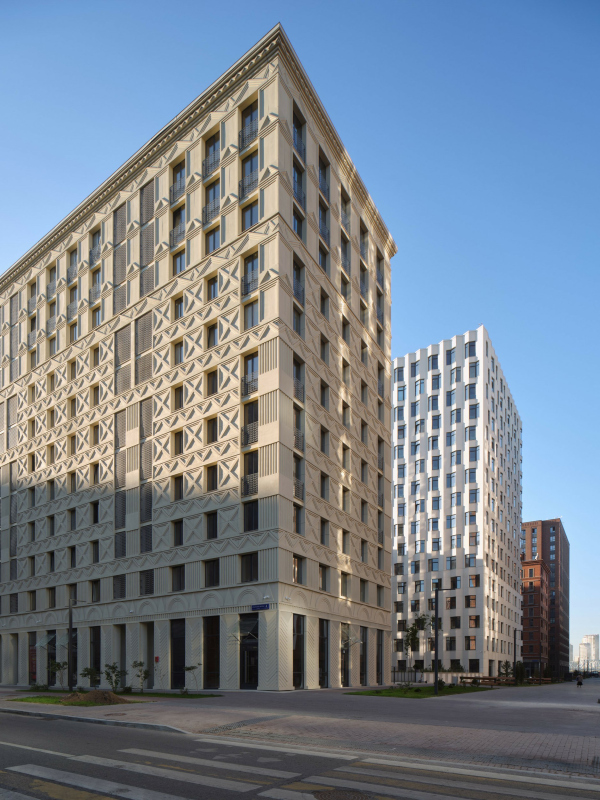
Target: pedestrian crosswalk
[{"x": 138, "y": 773}]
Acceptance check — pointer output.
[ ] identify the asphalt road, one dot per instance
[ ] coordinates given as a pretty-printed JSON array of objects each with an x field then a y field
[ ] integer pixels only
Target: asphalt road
[{"x": 63, "y": 760}]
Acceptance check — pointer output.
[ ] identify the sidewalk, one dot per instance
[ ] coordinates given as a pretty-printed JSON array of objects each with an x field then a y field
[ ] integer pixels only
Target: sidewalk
[{"x": 506, "y": 727}]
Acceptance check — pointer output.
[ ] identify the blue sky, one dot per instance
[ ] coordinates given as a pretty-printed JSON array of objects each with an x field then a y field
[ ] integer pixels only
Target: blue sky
[{"x": 475, "y": 126}]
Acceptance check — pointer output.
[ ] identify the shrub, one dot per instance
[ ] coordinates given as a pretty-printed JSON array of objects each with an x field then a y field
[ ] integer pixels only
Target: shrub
[
  {"x": 441, "y": 683},
  {"x": 127, "y": 690}
]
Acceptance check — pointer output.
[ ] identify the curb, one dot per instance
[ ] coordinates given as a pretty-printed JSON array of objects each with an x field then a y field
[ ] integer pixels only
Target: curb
[{"x": 95, "y": 720}]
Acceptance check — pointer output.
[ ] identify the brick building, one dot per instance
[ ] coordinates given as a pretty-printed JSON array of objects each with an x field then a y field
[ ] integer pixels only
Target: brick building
[{"x": 535, "y": 575}]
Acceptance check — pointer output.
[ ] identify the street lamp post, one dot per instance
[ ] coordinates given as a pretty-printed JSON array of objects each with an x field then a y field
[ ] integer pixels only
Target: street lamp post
[
  {"x": 435, "y": 635},
  {"x": 70, "y": 645},
  {"x": 515, "y": 654}
]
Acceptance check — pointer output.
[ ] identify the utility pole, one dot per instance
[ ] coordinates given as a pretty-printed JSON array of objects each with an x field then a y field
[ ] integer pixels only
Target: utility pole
[
  {"x": 70, "y": 645},
  {"x": 435, "y": 638}
]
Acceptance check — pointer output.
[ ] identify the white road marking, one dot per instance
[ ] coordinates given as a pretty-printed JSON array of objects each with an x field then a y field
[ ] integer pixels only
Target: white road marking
[
  {"x": 292, "y": 750},
  {"x": 7, "y": 794},
  {"x": 35, "y": 749},
  {"x": 206, "y": 762},
  {"x": 285, "y": 794},
  {"x": 86, "y": 782}
]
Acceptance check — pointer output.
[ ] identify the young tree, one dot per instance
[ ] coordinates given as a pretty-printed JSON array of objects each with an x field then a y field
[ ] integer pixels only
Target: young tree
[
  {"x": 411, "y": 636},
  {"x": 92, "y": 674},
  {"x": 506, "y": 669},
  {"x": 193, "y": 669},
  {"x": 520, "y": 672},
  {"x": 114, "y": 675},
  {"x": 142, "y": 674},
  {"x": 59, "y": 668}
]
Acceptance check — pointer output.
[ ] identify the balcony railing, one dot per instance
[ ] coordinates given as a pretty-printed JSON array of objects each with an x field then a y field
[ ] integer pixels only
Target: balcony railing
[
  {"x": 210, "y": 211},
  {"x": 298, "y": 489},
  {"x": 95, "y": 255},
  {"x": 364, "y": 287},
  {"x": 324, "y": 233},
  {"x": 298, "y": 291},
  {"x": 248, "y": 184},
  {"x": 146, "y": 281},
  {"x": 380, "y": 388},
  {"x": 379, "y": 312},
  {"x": 299, "y": 195},
  {"x": 249, "y": 282},
  {"x": 249, "y": 383},
  {"x": 380, "y": 462},
  {"x": 380, "y": 536},
  {"x": 299, "y": 145},
  {"x": 95, "y": 292},
  {"x": 249, "y": 434},
  {"x": 31, "y": 337},
  {"x": 71, "y": 274},
  {"x": 324, "y": 187},
  {"x": 364, "y": 251},
  {"x": 380, "y": 499},
  {"x": 249, "y": 484},
  {"x": 51, "y": 324},
  {"x": 346, "y": 221},
  {"x": 210, "y": 163},
  {"x": 176, "y": 235},
  {"x": 346, "y": 263},
  {"x": 176, "y": 190},
  {"x": 50, "y": 290},
  {"x": 379, "y": 276},
  {"x": 248, "y": 133},
  {"x": 298, "y": 390},
  {"x": 72, "y": 310},
  {"x": 298, "y": 439}
]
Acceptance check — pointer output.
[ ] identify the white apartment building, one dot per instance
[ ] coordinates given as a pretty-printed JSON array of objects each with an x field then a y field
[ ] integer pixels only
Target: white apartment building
[{"x": 457, "y": 440}]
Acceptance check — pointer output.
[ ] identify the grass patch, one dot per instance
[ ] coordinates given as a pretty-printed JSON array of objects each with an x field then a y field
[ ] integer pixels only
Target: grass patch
[
  {"x": 419, "y": 692},
  {"x": 172, "y": 695},
  {"x": 50, "y": 701},
  {"x": 58, "y": 695}
]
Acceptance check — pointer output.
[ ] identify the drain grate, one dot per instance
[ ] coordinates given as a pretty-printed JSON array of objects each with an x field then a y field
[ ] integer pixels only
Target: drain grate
[{"x": 342, "y": 794}]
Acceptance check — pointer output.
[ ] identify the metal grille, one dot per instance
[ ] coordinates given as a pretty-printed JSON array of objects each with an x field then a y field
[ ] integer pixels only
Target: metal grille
[
  {"x": 120, "y": 429},
  {"x": 147, "y": 245},
  {"x": 176, "y": 190},
  {"x": 14, "y": 603},
  {"x": 210, "y": 164},
  {"x": 14, "y": 309},
  {"x": 249, "y": 484},
  {"x": 210, "y": 211},
  {"x": 346, "y": 221},
  {"x": 248, "y": 184},
  {"x": 380, "y": 462},
  {"x": 119, "y": 587},
  {"x": 72, "y": 310},
  {"x": 13, "y": 542},
  {"x": 324, "y": 232},
  {"x": 122, "y": 346},
  {"x": 1, "y": 417},
  {"x": 299, "y": 195},
  {"x": 364, "y": 251},
  {"x": 146, "y": 539},
  {"x": 146, "y": 502},
  {"x": 298, "y": 390},
  {"x": 379, "y": 276},
  {"x": 120, "y": 469},
  {"x": 299, "y": 145},
  {"x": 248, "y": 133},
  {"x": 51, "y": 290},
  {"x": 32, "y": 304},
  {"x": 13, "y": 508},
  {"x": 298, "y": 291},
  {"x": 143, "y": 369},
  {"x": 15, "y": 369},
  {"x": 120, "y": 299},
  {"x": 147, "y": 202},
  {"x": 146, "y": 418},
  {"x": 120, "y": 509},
  {"x": 249, "y": 383},
  {"x": 249, "y": 282},
  {"x": 143, "y": 333},
  {"x": 94, "y": 255},
  {"x": 146, "y": 460},
  {"x": 147, "y": 581},
  {"x": 13, "y": 570},
  {"x": 71, "y": 274},
  {"x": 298, "y": 489},
  {"x": 298, "y": 439},
  {"x": 146, "y": 281},
  {"x": 119, "y": 264},
  {"x": 379, "y": 312},
  {"x": 249, "y": 434},
  {"x": 177, "y": 235},
  {"x": 324, "y": 187},
  {"x": 95, "y": 293},
  {"x": 12, "y": 410},
  {"x": 119, "y": 224},
  {"x": 14, "y": 340},
  {"x": 364, "y": 287}
]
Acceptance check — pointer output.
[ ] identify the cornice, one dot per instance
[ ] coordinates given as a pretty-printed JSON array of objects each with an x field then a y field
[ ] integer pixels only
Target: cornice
[{"x": 274, "y": 42}]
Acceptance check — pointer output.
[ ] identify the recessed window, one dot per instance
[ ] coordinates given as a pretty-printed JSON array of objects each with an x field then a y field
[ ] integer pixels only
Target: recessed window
[
  {"x": 212, "y": 335},
  {"x": 212, "y": 381},
  {"x": 212, "y": 524},
  {"x": 211, "y": 572},
  {"x": 212, "y": 430},
  {"x": 249, "y": 216},
  {"x": 177, "y": 398},
  {"x": 212, "y": 288},
  {"x": 249, "y": 567},
  {"x": 178, "y": 308}
]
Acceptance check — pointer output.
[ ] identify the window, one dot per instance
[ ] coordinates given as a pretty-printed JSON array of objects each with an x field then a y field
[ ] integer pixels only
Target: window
[
  {"x": 298, "y": 567},
  {"x": 178, "y": 578},
  {"x": 298, "y": 224},
  {"x": 344, "y": 584},
  {"x": 323, "y": 578},
  {"x": 470, "y": 643},
  {"x": 450, "y": 356},
  {"x": 95, "y": 591},
  {"x": 346, "y": 542},
  {"x": 211, "y": 572},
  {"x": 325, "y": 532},
  {"x": 249, "y": 567},
  {"x": 177, "y": 533},
  {"x": 213, "y": 240},
  {"x": 147, "y": 581},
  {"x": 250, "y": 216},
  {"x": 469, "y": 349},
  {"x": 212, "y": 383},
  {"x": 251, "y": 516},
  {"x": 178, "y": 353},
  {"x": 211, "y": 478},
  {"x": 178, "y": 487},
  {"x": 325, "y": 441},
  {"x": 178, "y": 443},
  {"x": 178, "y": 308},
  {"x": 470, "y": 601},
  {"x": 212, "y": 335}
]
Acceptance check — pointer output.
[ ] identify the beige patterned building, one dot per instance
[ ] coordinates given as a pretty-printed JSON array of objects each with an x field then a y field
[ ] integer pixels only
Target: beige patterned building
[{"x": 195, "y": 408}]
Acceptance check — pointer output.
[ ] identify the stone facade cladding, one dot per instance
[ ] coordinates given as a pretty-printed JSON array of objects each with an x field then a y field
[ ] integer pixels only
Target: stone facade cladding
[
  {"x": 457, "y": 440},
  {"x": 195, "y": 408},
  {"x": 547, "y": 539}
]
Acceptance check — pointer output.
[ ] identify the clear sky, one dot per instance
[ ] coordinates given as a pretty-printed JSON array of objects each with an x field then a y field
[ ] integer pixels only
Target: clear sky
[{"x": 475, "y": 126}]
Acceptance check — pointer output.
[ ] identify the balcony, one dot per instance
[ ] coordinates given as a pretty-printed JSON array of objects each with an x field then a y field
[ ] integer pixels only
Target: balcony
[
  {"x": 298, "y": 390},
  {"x": 324, "y": 232},
  {"x": 95, "y": 292},
  {"x": 299, "y": 145},
  {"x": 299, "y": 291},
  {"x": 176, "y": 235},
  {"x": 249, "y": 383},
  {"x": 176, "y": 190},
  {"x": 31, "y": 337},
  {"x": 364, "y": 251},
  {"x": 249, "y": 434},
  {"x": 72, "y": 310},
  {"x": 248, "y": 184},
  {"x": 248, "y": 134},
  {"x": 380, "y": 499},
  {"x": 71, "y": 274},
  {"x": 379, "y": 312},
  {"x": 379, "y": 276},
  {"x": 346, "y": 264},
  {"x": 50, "y": 290},
  {"x": 95, "y": 255},
  {"x": 298, "y": 489},
  {"x": 380, "y": 462},
  {"x": 364, "y": 287},
  {"x": 299, "y": 195},
  {"x": 249, "y": 283},
  {"x": 51, "y": 325},
  {"x": 324, "y": 187},
  {"x": 210, "y": 163},
  {"x": 249, "y": 484},
  {"x": 346, "y": 221},
  {"x": 298, "y": 439},
  {"x": 210, "y": 211}
]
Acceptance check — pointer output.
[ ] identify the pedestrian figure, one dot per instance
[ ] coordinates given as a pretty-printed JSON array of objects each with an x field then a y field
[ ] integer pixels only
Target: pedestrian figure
[{"x": 579, "y": 682}]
